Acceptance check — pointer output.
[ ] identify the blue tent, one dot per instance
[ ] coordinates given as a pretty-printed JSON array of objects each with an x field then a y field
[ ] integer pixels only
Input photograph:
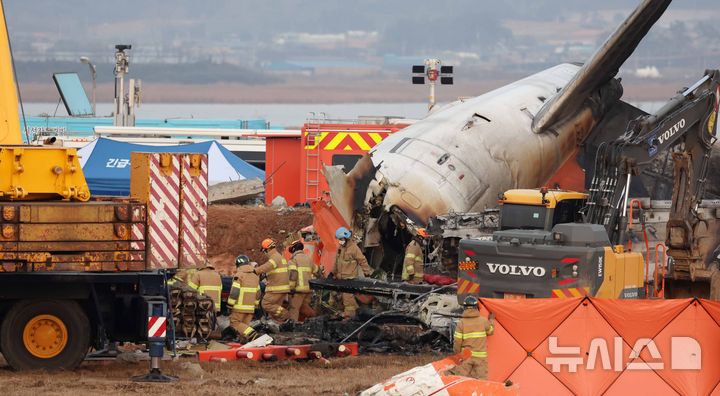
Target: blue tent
[{"x": 106, "y": 164}]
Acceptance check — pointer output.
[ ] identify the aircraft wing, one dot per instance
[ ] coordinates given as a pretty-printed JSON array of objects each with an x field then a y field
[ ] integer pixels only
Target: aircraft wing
[{"x": 602, "y": 66}]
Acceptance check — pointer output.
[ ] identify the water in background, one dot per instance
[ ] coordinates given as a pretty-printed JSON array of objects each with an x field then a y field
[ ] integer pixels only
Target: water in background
[{"x": 286, "y": 115}]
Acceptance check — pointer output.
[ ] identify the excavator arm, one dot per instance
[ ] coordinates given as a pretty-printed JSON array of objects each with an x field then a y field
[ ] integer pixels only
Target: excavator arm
[{"x": 687, "y": 127}]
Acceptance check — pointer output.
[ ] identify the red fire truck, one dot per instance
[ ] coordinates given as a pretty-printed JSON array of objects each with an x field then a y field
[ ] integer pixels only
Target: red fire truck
[{"x": 294, "y": 161}]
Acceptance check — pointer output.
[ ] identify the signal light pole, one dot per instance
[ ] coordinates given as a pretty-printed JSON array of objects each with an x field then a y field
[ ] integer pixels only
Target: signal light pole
[{"x": 432, "y": 69}]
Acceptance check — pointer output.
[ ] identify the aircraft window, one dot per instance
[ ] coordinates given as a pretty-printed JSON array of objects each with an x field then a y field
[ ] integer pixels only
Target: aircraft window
[{"x": 443, "y": 159}]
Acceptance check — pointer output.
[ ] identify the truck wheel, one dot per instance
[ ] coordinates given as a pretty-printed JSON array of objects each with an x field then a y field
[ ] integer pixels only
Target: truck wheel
[{"x": 45, "y": 334}]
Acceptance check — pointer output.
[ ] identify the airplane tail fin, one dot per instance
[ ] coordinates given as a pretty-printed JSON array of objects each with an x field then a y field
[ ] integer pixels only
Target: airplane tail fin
[{"x": 602, "y": 66}]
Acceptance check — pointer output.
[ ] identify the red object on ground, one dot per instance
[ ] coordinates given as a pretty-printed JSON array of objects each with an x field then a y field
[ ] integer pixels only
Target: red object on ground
[
  {"x": 273, "y": 352},
  {"x": 441, "y": 280}
]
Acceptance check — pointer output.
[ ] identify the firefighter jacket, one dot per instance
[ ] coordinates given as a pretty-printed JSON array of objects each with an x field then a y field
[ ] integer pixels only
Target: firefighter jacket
[
  {"x": 245, "y": 290},
  {"x": 471, "y": 332},
  {"x": 207, "y": 281},
  {"x": 413, "y": 263},
  {"x": 182, "y": 275},
  {"x": 276, "y": 269},
  {"x": 350, "y": 261},
  {"x": 301, "y": 271}
]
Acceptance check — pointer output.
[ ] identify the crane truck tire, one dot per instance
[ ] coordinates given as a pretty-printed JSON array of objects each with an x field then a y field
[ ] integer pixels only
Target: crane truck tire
[{"x": 45, "y": 334}]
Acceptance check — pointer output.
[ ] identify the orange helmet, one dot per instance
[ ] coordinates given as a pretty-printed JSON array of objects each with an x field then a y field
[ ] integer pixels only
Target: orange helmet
[
  {"x": 267, "y": 244},
  {"x": 422, "y": 232}
]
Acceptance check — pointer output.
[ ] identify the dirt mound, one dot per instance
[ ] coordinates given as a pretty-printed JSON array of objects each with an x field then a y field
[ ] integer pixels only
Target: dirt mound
[
  {"x": 235, "y": 229},
  {"x": 224, "y": 263}
]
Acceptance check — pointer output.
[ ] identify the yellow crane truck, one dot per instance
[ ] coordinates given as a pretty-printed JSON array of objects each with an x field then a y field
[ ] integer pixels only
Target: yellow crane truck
[
  {"x": 558, "y": 244},
  {"x": 77, "y": 273}
]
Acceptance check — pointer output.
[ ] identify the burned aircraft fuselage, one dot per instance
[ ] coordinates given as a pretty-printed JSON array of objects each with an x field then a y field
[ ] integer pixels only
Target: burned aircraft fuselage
[{"x": 462, "y": 156}]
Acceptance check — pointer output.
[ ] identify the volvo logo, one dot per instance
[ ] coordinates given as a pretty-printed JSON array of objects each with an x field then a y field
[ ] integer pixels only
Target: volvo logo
[
  {"x": 519, "y": 270},
  {"x": 672, "y": 131}
]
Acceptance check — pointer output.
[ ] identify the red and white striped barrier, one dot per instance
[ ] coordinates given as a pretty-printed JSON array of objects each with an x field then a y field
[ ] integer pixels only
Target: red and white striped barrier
[
  {"x": 157, "y": 326},
  {"x": 164, "y": 209},
  {"x": 193, "y": 210}
]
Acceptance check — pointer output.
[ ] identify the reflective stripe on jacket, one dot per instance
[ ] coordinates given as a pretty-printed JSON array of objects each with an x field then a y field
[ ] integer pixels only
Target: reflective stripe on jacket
[
  {"x": 207, "y": 281},
  {"x": 245, "y": 290},
  {"x": 413, "y": 262},
  {"x": 276, "y": 269},
  {"x": 350, "y": 261},
  {"x": 301, "y": 270},
  {"x": 471, "y": 332}
]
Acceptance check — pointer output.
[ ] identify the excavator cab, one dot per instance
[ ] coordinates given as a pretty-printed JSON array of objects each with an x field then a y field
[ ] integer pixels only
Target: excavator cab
[{"x": 539, "y": 209}]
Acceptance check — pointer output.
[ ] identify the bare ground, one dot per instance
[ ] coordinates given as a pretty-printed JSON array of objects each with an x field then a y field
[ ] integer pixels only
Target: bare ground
[
  {"x": 346, "y": 375},
  {"x": 235, "y": 229}
]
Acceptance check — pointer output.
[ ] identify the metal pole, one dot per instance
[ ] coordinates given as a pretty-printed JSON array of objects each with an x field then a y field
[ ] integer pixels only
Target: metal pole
[
  {"x": 94, "y": 90},
  {"x": 431, "y": 99}
]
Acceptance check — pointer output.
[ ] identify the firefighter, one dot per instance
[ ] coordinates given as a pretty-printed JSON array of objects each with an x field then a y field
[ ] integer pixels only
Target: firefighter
[
  {"x": 350, "y": 263},
  {"x": 301, "y": 271},
  {"x": 278, "y": 285},
  {"x": 207, "y": 281},
  {"x": 244, "y": 298},
  {"x": 181, "y": 276},
  {"x": 413, "y": 264},
  {"x": 471, "y": 332}
]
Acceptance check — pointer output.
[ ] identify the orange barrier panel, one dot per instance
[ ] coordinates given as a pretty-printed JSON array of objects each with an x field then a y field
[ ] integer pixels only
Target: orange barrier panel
[
  {"x": 588, "y": 346},
  {"x": 327, "y": 219}
]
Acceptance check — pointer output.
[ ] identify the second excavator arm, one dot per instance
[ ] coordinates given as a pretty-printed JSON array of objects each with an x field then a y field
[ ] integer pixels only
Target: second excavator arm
[{"x": 687, "y": 127}]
